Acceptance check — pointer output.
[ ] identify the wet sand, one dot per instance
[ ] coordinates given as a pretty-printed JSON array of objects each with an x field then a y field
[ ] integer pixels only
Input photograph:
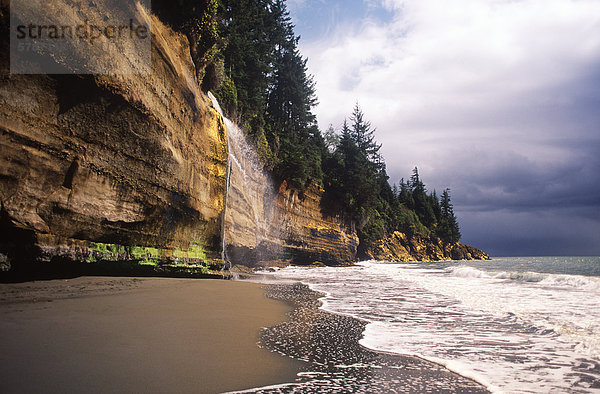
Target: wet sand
[
  {"x": 97, "y": 334},
  {"x": 329, "y": 343},
  {"x": 103, "y": 335}
]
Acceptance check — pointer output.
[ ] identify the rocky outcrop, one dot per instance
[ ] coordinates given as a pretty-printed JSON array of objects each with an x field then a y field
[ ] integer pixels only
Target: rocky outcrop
[
  {"x": 269, "y": 224},
  {"x": 295, "y": 231},
  {"x": 90, "y": 162},
  {"x": 133, "y": 167},
  {"x": 308, "y": 235},
  {"x": 399, "y": 247}
]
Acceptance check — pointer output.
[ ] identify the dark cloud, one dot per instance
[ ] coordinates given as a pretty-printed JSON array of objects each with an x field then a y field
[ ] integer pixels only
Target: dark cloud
[
  {"x": 552, "y": 232},
  {"x": 503, "y": 110}
]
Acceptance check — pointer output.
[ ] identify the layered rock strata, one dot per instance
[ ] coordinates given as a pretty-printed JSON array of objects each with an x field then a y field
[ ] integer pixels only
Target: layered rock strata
[
  {"x": 91, "y": 162},
  {"x": 310, "y": 236},
  {"x": 267, "y": 225},
  {"x": 133, "y": 167}
]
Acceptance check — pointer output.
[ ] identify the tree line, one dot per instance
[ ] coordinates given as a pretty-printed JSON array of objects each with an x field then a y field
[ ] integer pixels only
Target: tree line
[
  {"x": 357, "y": 185},
  {"x": 246, "y": 53}
]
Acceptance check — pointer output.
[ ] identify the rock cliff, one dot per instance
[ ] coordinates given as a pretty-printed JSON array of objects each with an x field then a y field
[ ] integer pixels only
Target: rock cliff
[
  {"x": 89, "y": 164},
  {"x": 265, "y": 223},
  {"x": 294, "y": 230},
  {"x": 310, "y": 236},
  {"x": 399, "y": 247},
  {"x": 133, "y": 167}
]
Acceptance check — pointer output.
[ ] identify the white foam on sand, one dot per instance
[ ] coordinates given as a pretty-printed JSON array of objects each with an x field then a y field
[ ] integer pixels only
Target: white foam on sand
[{"x": 510, "y": 331}]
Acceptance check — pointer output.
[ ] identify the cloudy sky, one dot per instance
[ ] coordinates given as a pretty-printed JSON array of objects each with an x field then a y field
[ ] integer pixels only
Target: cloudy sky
[{"x": 497, "y": 99}]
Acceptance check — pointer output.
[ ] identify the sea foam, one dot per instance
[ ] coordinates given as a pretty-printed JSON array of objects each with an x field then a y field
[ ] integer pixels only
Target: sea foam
[{"x": 504, "y": 325}]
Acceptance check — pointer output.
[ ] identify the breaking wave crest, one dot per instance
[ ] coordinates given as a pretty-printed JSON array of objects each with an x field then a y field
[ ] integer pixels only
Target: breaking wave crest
[{"x": 550, "y": 280}]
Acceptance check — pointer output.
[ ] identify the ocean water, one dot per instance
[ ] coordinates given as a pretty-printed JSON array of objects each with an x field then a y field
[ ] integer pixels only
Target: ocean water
[{"x": 516, "y": 325}]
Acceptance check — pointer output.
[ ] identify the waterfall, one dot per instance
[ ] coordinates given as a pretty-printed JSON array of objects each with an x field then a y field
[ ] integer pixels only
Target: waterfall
[
  {"x": 226, "y": 261},
  {"x": 247, "y": 214}
]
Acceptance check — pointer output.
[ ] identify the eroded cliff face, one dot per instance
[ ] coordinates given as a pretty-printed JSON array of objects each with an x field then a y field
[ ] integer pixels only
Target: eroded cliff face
[
  {"x": 308, "y": 235},
  {"x": 399, "y": 247},
  {"x": 294, "y": 230},
  {"x": 267, "y": 223},
  {"x": 133, "y": 167},
  {"x": 132, "y": 159}
]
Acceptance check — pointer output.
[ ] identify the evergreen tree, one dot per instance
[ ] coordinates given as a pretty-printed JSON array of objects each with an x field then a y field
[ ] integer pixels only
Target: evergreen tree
[
  {"x": 359, "y": 178},
  {"x": 448, "y": 228},
  {"x": 405, "y": 196},
  {"x": 269, "y": 91},
  {"x": 435, "y": 204},
  {"x": 364, "y": 135},
  {"x": 421, "y": 202},
  {"x": 248, "y": 56},
  {"x": 332, "y": 139}
]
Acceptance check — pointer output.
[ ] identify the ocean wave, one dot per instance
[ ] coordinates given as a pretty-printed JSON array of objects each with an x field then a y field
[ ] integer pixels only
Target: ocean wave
[
  {"x": 550, "y": 280},
  {"x": 468, "y": 272},
  {"x": 509, "y": 329},
  {"x": 455, "y": 366},
  {"x": 521, "y": 276},
  {"x": 578, "y": 282}
]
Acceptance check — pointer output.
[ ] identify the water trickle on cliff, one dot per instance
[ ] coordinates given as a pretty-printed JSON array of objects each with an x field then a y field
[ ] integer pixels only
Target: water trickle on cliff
[
  {"x": 249, "y": 198},
  {"x": 226, "y": 262}
]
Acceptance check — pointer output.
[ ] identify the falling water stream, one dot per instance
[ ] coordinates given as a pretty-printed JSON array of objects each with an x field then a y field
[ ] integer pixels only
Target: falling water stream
[
  {"x": 226, "y": 262},
  {"x": 224, "y": 259},
  {"x": 246, "y": 218}
]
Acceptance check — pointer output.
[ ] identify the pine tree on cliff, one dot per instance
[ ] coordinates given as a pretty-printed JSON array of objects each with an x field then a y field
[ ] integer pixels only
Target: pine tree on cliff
[
  {"x": 422, "y": 203},
  {"x": 435, "y": 204},
  {"x": 405, "y": 196},
  {"x": 332, "y": 139},
  {"x": 359, "y": 180},
  {"x": 448, "y": 228},
  {"x": 248, "y": 56},
  {"x": 292, "y": 124},
  {"x": 274, "y": 94},
  {"x": 364, "y": 136}
]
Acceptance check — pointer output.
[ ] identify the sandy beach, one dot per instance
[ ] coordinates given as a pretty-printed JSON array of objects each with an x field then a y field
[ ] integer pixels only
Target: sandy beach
[
  {"x": 103, "y": 335},
  {"x": 99, "y": 334}
]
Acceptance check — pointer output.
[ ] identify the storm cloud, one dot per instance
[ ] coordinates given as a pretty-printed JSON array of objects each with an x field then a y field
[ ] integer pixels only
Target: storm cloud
[{"x": 497, "y": 99}]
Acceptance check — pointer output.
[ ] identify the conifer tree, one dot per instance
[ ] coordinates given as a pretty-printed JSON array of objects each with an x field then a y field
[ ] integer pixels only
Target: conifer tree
[
  {"x": 421, "y": 202},
  {"x": 332, "y": 139},
  {"x": 273, "y": 94},
  {"x": 448, "y": 228},
  {"x": 435, "y": 204},
  {"x": 364, "y": 135},
  {"x": 405, "y": 196}
]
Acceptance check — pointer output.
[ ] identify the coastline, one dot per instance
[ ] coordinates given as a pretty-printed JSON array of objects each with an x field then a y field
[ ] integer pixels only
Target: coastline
[
  {"x": 329, "y": 344},
  {"x": 100, "y": 334},
  {"x": 106, "y": 334}
]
